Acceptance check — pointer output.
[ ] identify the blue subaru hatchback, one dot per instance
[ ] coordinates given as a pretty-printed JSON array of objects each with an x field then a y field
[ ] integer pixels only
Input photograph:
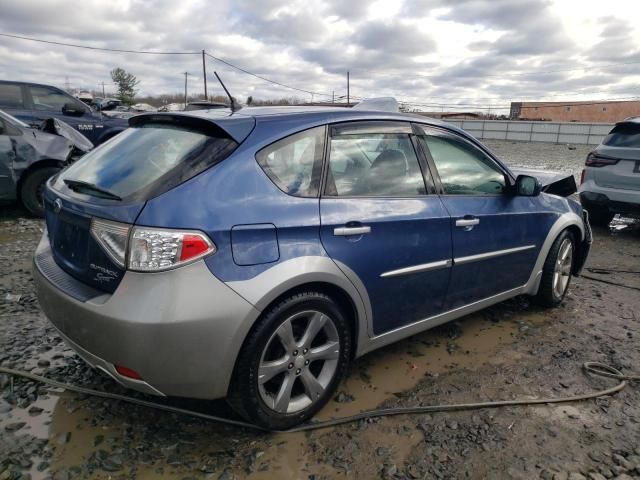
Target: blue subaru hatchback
[{"x": 251, "y": 255}]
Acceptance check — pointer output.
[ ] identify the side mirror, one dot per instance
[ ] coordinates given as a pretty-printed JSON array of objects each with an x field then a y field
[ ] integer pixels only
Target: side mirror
[
  {"x": 527, "y": 186},
  {"x": 72, "y": 109}
]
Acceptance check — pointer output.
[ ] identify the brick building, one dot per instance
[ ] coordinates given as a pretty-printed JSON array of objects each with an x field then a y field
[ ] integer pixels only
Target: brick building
[{"x": 607, "y": 112}]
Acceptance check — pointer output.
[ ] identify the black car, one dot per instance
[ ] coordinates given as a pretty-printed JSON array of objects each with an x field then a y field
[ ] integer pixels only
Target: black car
[
  {"x": 28, "y": 157},
  {"x": 33, "y": 103}
]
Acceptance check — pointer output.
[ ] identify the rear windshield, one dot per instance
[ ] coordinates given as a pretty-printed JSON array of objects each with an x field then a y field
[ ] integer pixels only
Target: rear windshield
[
  {"x": 625, "y": 135},
  {"x": 144, "y": 161}
]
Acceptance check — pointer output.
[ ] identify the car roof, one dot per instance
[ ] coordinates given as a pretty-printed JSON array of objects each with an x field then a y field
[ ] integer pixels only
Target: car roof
[
  {"x": 302, "y": 116},
  {"x": 630, "y": 120},
  {"x": 30, "y": 83}
]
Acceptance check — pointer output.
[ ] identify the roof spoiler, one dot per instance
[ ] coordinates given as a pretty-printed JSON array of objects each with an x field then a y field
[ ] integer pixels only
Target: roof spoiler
[{"x": 236, "y": 127}]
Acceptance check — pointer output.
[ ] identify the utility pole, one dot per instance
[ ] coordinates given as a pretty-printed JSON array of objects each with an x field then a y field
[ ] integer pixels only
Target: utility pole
[
  {"x": 185, "y": 89},
  {"x": 103, "y": 90},
  {"x": 333, "y": 96},
  {"x": 204, "y": 75},
  {"x": 347, "y": 88}
]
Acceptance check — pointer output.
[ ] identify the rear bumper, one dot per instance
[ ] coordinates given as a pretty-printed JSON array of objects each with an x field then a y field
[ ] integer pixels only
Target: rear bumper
[
  {"x": 615, "y": 200},
  {"x": 181, "y": 329}
]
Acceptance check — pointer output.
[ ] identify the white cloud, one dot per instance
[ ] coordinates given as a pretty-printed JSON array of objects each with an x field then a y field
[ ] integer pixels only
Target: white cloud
[{"x": 427, "y": 50}]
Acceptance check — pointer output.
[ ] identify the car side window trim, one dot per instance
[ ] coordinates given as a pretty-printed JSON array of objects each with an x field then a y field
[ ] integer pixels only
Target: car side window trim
[
  {"x": 422, "y": 129},
  {"x": 369, "y": 127},
  {"x": 379, "y": 127}
]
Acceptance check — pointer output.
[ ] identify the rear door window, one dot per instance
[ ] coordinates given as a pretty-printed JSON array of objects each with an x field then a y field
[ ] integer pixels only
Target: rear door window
[
  {"x": 144, "y": 161},
  {"x": 11, "y": 96},
  {"x": 373, "y": 165},
  {"x": 625, "y": 135}
]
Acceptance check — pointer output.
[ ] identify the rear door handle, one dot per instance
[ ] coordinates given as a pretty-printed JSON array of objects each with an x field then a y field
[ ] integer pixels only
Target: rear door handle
[
  {"x": 344, "y": 231},
  {"x": 467, "y": 222}
]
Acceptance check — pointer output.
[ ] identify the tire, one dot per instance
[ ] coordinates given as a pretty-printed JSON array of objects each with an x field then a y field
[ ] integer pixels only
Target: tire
[
  {"x": 557, "y": 271},
  {"x": 263, "y": 401},
  {"x": 32, "y": 187}
]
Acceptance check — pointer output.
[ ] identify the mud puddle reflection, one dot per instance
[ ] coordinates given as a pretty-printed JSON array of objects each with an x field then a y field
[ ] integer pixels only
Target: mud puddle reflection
[{"x": 90, "y": 431}]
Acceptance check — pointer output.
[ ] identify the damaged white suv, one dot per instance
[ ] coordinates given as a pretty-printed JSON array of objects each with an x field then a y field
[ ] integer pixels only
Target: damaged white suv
[{"x": 611, "y": 179}]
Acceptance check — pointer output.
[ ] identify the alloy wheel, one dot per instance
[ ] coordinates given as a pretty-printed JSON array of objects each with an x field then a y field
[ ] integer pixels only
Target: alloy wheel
[
  {"x": 298, "y": 362},
  {"x": 562, "y": 270}
]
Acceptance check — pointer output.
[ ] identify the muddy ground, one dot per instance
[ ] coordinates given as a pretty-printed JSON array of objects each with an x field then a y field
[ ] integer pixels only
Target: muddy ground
[{"x": 512, "y": 350}]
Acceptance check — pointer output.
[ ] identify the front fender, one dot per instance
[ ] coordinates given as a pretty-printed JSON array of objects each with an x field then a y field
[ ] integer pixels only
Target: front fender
[{"x": 564, "y": 221}]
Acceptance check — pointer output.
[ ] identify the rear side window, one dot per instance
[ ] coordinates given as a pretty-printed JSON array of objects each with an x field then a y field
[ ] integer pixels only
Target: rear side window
[
  {"x": 148, "y": 160},
  {"x": 625, "y": 135},
  {"x": 294, "y": 163},
  {"x": 11, "y": 96}
]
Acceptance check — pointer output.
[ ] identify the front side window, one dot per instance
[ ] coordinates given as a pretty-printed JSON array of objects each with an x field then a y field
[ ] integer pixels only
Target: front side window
[
  {"x": 48, "y": 99},
  {"x": 463, "y": 169},
  {"x": 294, "y": 163},
  {"x": 374, "y": 165}
]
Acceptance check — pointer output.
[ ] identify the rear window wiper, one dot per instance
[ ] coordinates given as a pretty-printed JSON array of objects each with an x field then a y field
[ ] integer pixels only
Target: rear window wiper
[{"x": 86, "y": 187}]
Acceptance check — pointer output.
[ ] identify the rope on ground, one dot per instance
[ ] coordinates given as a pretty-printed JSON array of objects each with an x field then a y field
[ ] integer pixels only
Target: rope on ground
[
  {"x": 592, "y": 368},
  {"x": 608, "y": 282}
]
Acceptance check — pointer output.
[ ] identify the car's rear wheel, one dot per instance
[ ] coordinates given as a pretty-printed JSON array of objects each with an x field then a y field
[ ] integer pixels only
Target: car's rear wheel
[
  {"x": 32, "y": 189},
  {"x": 291, "y": 362},
  {"x": 557, "y": 271}
]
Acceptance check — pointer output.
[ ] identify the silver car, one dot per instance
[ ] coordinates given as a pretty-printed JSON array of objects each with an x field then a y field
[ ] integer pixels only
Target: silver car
[{"x": 611, "y": 177}]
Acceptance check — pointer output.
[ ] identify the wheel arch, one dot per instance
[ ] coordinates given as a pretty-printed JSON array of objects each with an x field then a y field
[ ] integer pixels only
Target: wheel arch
[
  {"x": 45, "y": 163},
  {"x": 304, "y": 274},
  {"x": 567, "y": 221}
]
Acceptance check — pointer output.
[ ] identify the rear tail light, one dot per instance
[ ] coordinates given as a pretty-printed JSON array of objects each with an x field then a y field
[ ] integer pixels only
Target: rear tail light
[
  {"x": 146, "y": 249},
  {"x": 113, "y": 238},
  {"x": 595, "y": 159},
  {"x": 154, "y": 250},
  {"x": 127, "y": 372}
]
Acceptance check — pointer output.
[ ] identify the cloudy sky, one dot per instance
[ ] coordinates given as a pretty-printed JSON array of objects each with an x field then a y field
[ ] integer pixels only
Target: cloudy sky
[{"x": 430, "y": 52}]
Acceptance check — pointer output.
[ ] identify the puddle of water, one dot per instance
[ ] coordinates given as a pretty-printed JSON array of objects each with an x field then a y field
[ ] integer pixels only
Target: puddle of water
[
  {"x": 372, "y": 379},
  {"x": 396, "y": 368}
]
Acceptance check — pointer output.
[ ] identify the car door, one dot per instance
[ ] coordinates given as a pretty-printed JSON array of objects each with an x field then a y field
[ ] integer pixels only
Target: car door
[
  {"x": 50, "y": 102},
  {"x": 496, "y": 235},
  {"x": 13, "y": 101},
  {"x": 7, "y": 155},
  {"x": 381, "y": 222}
]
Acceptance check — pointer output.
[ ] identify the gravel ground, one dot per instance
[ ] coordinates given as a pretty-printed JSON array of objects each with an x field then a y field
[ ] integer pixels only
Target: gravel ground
[{"x": 512, "y": 350}]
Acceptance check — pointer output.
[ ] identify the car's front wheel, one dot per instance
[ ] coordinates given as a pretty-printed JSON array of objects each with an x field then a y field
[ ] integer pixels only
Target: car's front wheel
[
  {"x": 291, "y": 362},
  {"x": 557, "y": 271}
]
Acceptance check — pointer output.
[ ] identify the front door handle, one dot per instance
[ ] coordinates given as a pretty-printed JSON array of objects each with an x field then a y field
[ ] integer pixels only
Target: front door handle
[
  {"x": 468, "y": 222},
  {"x": 344, "y": 231}
]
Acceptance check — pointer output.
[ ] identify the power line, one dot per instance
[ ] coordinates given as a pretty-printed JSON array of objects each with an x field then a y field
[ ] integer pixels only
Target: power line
[
  {"x": 240, "y": 69},
  {"x": 146, "y": 52}
]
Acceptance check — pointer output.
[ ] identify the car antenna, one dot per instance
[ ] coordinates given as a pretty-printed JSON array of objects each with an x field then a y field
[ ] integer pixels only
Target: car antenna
[{"x": 234, "y": 106}]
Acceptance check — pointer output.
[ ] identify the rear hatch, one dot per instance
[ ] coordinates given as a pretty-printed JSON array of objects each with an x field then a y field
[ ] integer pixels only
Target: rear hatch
[
  {"x": 114, "y": 182},
  {"x": 622, "y": 146}
]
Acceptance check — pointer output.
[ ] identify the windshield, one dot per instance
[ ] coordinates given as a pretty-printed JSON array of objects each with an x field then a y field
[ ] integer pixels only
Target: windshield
[
  {"x": 148, "y": 160},
  {"x": 624, "y": 135},
  {"x": 12, "y": 119}
]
